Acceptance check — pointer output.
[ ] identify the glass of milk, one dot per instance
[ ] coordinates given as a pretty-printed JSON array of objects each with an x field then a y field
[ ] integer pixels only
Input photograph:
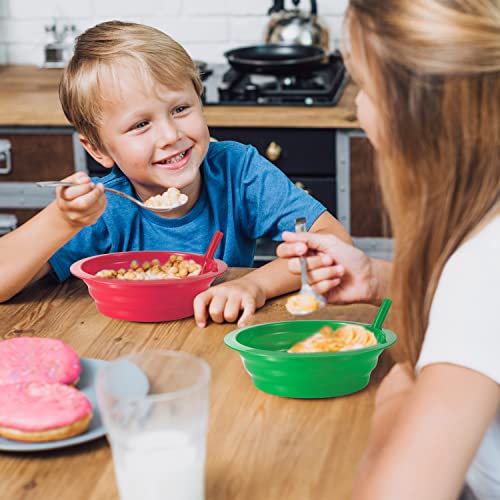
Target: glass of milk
[{"x": 154, "y": 406}]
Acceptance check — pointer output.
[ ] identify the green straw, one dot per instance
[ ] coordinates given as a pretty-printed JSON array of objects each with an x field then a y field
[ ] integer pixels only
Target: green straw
[{"x": 381, "y": 314}]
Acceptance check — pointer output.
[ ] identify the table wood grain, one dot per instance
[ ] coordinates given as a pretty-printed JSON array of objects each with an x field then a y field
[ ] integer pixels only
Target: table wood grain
[{"x": 259, "y": 446}]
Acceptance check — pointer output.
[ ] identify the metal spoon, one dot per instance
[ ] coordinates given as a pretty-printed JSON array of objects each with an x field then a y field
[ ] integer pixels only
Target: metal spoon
[
  {"x": 306, "y": 288},
  {"x": 160, "y": 210}
]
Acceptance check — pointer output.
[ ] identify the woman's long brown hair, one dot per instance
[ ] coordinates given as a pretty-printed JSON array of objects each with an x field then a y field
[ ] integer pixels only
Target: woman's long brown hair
[{"x": 434, "y": 67}]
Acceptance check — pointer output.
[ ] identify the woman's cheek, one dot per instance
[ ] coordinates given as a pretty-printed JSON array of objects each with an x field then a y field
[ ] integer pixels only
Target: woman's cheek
[{"x": 367, "y": 118}]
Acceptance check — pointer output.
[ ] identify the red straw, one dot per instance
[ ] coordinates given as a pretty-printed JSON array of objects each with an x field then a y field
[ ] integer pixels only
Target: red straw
[{"x": 212, "y": 248}]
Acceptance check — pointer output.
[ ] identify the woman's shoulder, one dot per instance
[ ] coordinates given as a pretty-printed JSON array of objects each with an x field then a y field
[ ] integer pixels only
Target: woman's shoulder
[
  {"x": 479, "y": 253},
  {"x": 472, "y": 273},
  {"x": 465, "y": 310}
]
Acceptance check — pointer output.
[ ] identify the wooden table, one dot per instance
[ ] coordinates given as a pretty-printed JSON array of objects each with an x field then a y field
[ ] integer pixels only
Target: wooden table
[{"x": 260, "y": 447}]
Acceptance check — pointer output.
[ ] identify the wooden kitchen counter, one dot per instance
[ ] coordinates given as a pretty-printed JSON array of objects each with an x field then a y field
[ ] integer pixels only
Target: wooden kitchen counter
[
  {"x": 29, "y": 97},
  {"x": 259, "y": 446}
]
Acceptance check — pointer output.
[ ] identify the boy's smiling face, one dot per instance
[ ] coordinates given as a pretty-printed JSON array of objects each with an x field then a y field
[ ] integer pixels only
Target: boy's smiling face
[{"x": 156, "y": 135}]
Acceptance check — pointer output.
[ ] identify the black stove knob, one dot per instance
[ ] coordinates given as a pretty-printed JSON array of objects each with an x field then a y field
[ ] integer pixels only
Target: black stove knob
[
  {"x": 224, "y": 91},
  {"x": 251, "y": 92}
]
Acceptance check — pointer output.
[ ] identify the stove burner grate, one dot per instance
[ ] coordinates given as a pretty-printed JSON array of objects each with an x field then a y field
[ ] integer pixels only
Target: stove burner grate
[{"x": 316, "y": 88}]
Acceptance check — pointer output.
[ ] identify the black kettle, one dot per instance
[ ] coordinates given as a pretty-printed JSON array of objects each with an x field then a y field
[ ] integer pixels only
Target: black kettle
[{"x": 296, "y": 26}]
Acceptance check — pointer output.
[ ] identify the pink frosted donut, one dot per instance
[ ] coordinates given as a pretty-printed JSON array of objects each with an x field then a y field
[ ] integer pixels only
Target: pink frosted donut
[
  {"x": 24, "y": 359},
  {"x": 37, "y": 411}
]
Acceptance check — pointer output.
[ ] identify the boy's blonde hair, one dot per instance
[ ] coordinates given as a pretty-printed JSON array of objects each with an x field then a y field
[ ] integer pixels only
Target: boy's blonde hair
[{"x": 157, "y": 58}]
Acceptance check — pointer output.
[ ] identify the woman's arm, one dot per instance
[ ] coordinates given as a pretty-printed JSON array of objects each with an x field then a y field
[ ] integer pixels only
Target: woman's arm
[{"x": 425, "y": 433}]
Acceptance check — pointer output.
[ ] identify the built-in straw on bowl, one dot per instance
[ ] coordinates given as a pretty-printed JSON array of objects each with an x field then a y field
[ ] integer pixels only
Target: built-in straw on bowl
[
  {"x": 381, "y": 314},
  {"x": 212, "y": 248}
]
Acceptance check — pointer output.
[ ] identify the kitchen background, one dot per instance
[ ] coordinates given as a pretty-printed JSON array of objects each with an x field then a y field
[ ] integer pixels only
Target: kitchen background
[
  {"x": 309, "y": 129},
  {"x": 206, "y": 28}
]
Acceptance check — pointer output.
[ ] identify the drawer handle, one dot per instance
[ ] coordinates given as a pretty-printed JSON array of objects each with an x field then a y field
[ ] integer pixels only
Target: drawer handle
[
  {"x": 5, "y": 156},
  {"x": 273, "y": 151},
  {"x": 303, "y": 187}
]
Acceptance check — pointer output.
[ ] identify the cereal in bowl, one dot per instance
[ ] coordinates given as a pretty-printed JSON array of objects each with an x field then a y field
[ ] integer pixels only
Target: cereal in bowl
[
  {"x": 175, "y": 268},
  {"x": 345, "y": 338}
]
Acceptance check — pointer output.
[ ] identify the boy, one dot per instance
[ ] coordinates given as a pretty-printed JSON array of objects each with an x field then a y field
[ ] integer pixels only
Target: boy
[{"x": 134, "y": 96}]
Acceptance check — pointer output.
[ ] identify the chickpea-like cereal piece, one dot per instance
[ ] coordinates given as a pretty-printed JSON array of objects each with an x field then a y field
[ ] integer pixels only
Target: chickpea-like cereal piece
[
  {"x": 106, "y": 273},
  {"x": 175, "y": 268}
]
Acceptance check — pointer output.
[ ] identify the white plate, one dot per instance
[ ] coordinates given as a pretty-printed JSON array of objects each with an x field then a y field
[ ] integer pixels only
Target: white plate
[{"x": 95, "y": 430}]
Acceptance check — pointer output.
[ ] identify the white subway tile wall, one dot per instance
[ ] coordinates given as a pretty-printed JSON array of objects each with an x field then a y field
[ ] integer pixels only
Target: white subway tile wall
[{"x": 206, "y": 28}]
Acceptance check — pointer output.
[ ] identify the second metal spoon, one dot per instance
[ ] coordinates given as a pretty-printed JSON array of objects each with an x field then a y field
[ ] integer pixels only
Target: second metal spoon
[
  {"x": 114, "y": 191},
  {"x": 306, "y": 288}
]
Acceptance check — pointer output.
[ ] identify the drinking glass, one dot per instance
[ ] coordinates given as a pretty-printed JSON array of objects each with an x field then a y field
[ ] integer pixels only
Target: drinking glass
[{"x": 154, "y": 406}]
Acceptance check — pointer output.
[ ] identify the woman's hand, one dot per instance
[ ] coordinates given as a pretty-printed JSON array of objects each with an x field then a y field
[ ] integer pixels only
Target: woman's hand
[
  {"x": 338, "y": 271},
  {"x": 80, "y": 205},
  {"x": 224, "y": 302}
]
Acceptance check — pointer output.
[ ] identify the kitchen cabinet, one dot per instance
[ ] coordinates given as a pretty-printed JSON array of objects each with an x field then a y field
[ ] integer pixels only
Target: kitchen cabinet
[
  {"x": 335, "y": 166},
  {"x": 306, "y": 156},
  {"x": 359, "y": 199},
  {"x": 368, "y": 216},
  {"x": 35, "y": 153}
]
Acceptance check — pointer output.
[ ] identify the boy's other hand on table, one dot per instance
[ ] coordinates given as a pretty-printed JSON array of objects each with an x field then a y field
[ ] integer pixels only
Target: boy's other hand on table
[
  {"x": 81, "y": 205},
  {"x": 224, "y": 302}
]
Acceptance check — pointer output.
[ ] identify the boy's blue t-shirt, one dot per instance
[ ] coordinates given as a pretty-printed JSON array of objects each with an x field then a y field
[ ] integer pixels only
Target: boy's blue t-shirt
[{"x": 243, "y": 195}]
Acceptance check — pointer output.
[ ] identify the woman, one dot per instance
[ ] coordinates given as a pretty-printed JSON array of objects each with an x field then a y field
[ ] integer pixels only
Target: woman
[{"x": 429, "y": 74}]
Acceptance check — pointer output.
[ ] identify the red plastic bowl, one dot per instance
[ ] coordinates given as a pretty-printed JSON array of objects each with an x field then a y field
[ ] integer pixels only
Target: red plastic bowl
[{"x": 149, "y": 300}]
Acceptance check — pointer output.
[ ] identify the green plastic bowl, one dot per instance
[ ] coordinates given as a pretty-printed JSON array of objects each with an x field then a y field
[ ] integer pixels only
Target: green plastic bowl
[{"x": 310, "y": 375}]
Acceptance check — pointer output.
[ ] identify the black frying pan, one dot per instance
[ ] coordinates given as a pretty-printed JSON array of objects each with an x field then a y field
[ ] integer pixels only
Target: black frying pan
[{"x": 274, "y": 59}]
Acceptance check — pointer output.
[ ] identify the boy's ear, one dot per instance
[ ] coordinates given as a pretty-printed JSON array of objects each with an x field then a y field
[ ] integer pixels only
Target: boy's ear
[{"x": 103, "y": 158}]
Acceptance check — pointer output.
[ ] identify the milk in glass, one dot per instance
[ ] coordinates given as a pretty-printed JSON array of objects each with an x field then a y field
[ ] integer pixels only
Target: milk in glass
[{"x": 160, "y": 465}]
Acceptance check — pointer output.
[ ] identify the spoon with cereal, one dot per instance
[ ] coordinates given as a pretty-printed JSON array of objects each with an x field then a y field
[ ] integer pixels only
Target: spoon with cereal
[
  {"x": 171, "y": 199},
  {"x": 307, "y": 300}
]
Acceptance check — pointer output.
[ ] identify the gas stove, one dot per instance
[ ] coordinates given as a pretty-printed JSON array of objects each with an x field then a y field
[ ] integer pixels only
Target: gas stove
[{"x": 226, "y": 86}]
